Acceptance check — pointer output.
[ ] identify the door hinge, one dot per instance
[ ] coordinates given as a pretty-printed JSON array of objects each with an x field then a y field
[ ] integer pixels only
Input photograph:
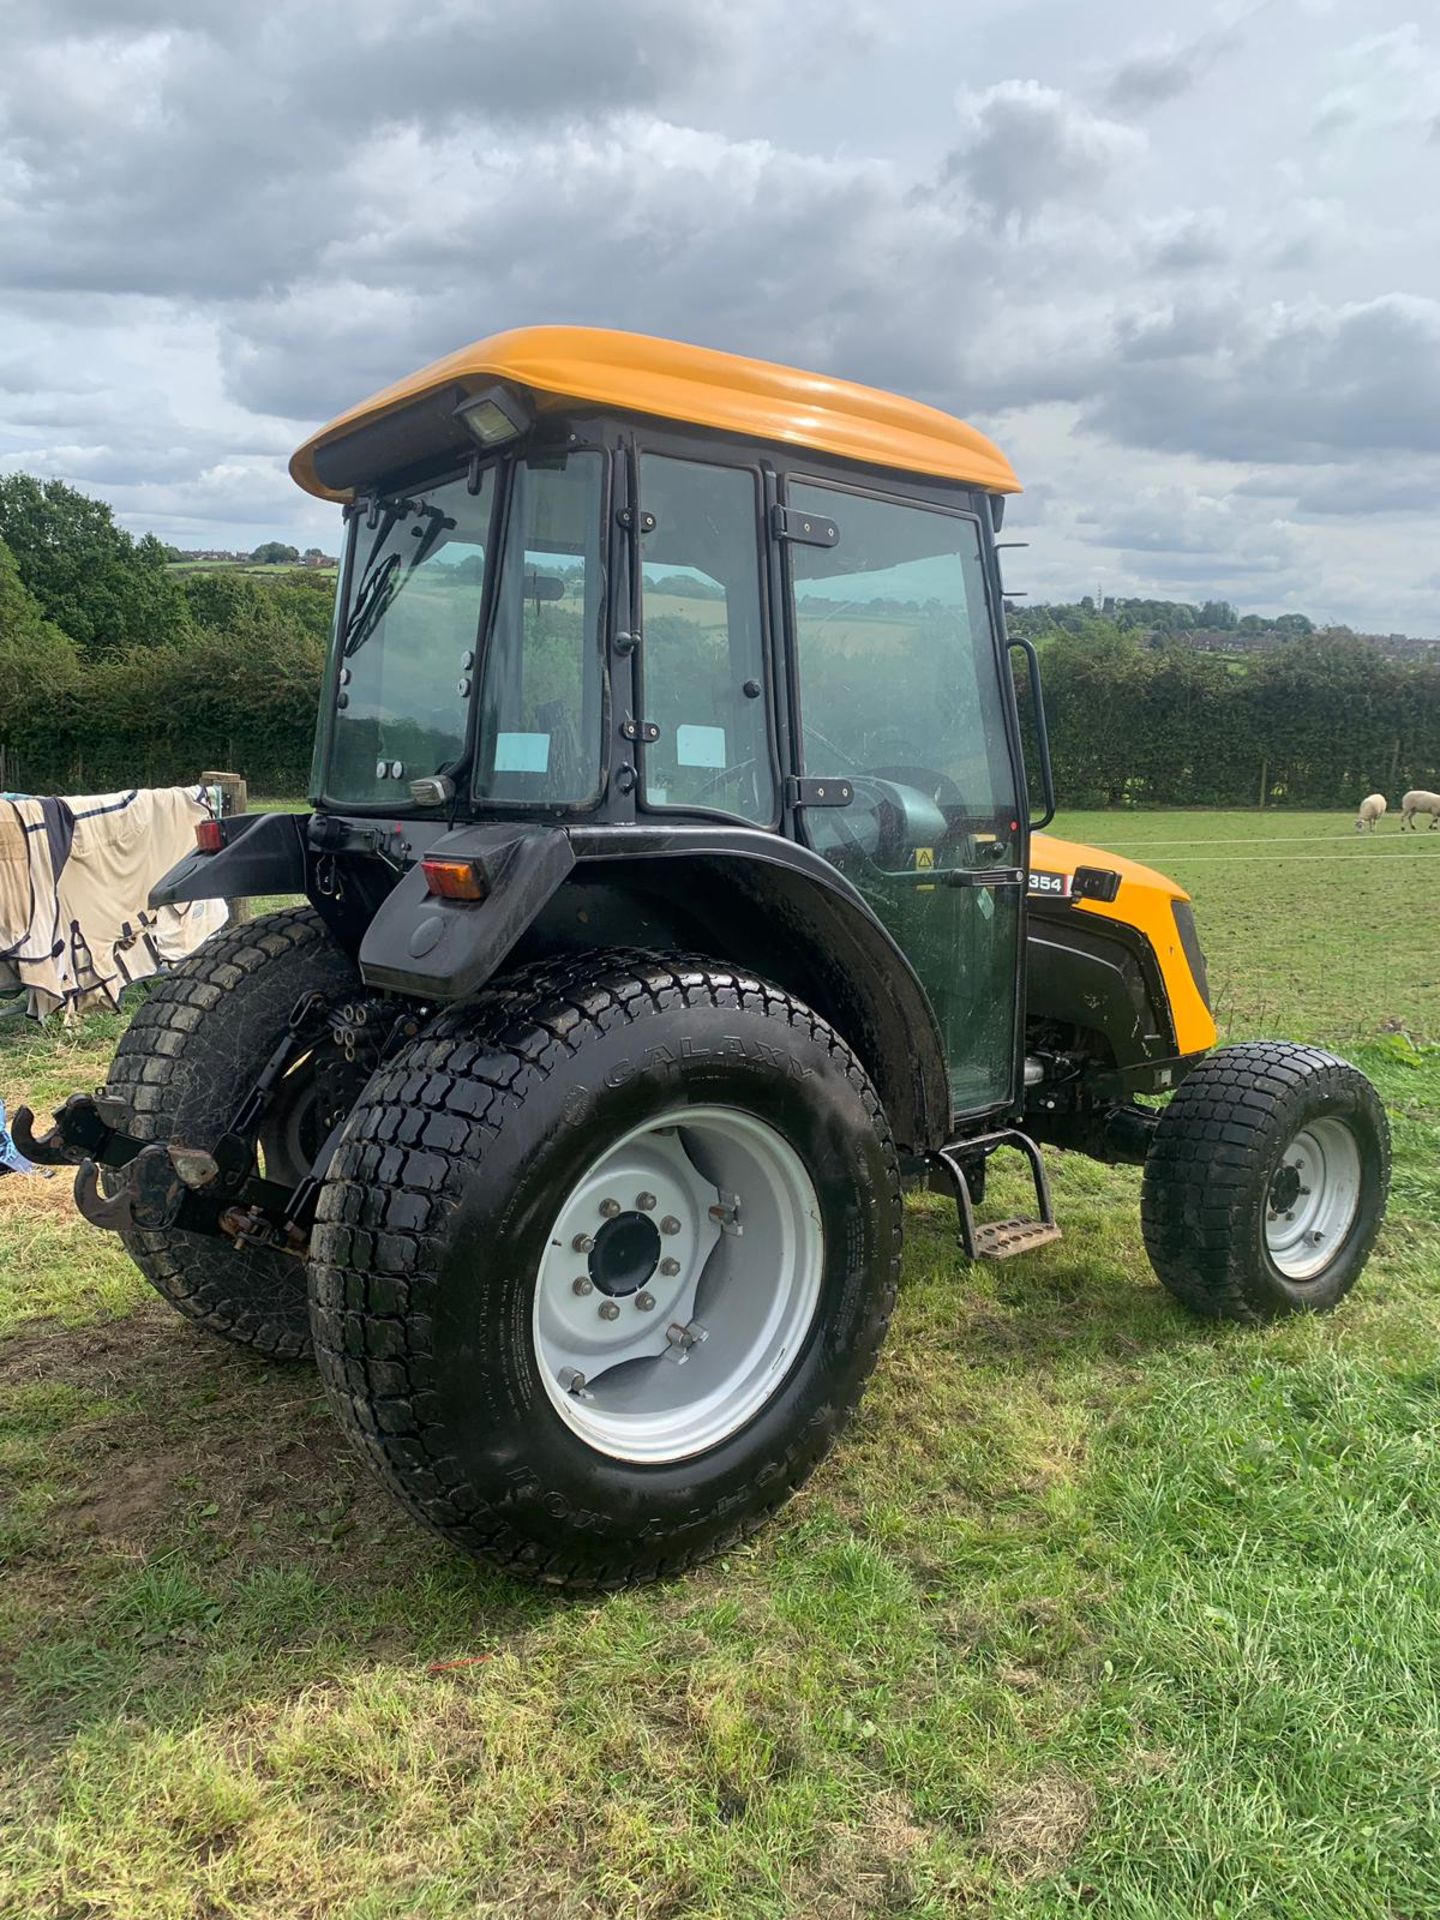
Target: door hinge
[
  {"x": 645, "y": 730},
  {"x": 818, "y": 793},
  {"x": 628, "y": 517},
  {"x": 809, "y": 529}
]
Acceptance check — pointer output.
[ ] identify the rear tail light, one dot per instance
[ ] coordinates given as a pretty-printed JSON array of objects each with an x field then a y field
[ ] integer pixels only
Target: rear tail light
[
  {"x": 210, "y": 836},
  {"x": 454, "y": 879}
]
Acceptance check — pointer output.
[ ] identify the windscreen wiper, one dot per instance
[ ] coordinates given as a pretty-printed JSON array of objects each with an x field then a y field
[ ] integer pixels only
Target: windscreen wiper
[
  {"x": 379, "y": 586},
  {"x": 377, "y": 590}
]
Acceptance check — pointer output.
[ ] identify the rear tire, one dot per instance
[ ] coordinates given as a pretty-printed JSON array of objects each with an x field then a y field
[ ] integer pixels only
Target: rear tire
[
  {"x": 455, "y": 1297},
  {"x": 185, "y": 1062},
  {"x": 1265, "y": 1184}
]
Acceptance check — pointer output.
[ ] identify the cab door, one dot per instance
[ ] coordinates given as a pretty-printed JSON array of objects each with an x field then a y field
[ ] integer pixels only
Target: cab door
[{"x": 899, "y": 694}]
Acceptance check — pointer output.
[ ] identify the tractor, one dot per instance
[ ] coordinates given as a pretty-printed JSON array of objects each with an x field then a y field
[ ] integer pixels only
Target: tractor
[{"x": 671, "y": 898}]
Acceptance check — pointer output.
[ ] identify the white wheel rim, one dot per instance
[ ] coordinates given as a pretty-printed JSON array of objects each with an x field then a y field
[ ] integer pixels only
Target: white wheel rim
[
  {"x": 1314, "y": 1198},
  {"x": 709, "y": 1215}
]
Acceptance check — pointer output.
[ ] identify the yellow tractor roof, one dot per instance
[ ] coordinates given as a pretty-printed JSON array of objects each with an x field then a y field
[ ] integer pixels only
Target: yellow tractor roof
[{"x": 633, "y": 373}]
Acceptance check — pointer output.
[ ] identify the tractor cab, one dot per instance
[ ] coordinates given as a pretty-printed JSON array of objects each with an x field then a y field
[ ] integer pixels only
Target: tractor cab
[{"x": 624, "y": 587}]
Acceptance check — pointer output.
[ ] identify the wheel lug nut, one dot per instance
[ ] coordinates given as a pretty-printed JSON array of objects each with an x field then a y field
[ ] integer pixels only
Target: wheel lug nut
[
  {"x": 645, "y": 1202},
  {"x": 609, "y": 1208},
  {"x": 669, "y": 1224},
  {"x": 644, "y": 1302},
  {"x": 609, "y": 1310},
  {"x": 669, "y": 1268},
  {"x": 582, "y": 1243},
  {"x": 582, "y": 1285}
]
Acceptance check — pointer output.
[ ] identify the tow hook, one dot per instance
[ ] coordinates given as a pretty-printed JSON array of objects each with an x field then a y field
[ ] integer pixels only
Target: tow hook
[
  {"x": 85, "y": 1128},
  {"x": 148, "y": 1194}
]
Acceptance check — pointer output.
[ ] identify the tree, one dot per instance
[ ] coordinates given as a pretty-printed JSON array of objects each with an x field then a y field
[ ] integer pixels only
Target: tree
[
  {"x": 39, "y": 669},
  {"x": 273, "y": 553},
  {"x": 89, "y": 576},
  {"x": 1218, "y": 613}
]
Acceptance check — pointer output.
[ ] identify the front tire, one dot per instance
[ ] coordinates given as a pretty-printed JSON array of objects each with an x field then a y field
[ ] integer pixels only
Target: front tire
[
  {"x": 530, "y": 1305},
  {"x": 1265, "y": 1184}
]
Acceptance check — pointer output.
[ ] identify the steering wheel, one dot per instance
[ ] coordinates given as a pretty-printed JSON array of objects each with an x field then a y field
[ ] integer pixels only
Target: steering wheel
[{"x": 935, "y": 785}]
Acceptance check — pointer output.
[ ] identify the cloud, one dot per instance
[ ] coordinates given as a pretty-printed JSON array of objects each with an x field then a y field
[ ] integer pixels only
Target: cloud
[
  {"x": 1189, "y": 242},
  {"x": 1403, "y": 490},
  {"x": 206, "y": 155},
  {"x": 1027, "y": 146},
  {"x": 1383, "y": 82},
  {"x": 1198, "y": 535},
  {"x": 1294, "y": 385},
  {"x": 1154, "y": 75}
]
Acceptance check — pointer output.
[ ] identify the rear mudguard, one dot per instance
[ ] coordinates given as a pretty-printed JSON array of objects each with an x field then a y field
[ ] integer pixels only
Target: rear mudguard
[
  {"x": 445, "y": 950},
  {"x": 263, "y": 853}
]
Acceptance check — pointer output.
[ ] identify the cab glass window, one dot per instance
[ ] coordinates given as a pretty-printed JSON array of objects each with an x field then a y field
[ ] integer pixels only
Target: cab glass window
[
  {"x": 542, "y": 718},
  {"x": 703, "y": 661},
  {"x": 405, "y": 638},
  {"x": 899, "y": 680}
]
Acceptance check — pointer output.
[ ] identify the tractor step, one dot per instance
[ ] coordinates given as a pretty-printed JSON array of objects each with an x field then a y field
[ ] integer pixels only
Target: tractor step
[
  {"x": 997, "y": 1239},
  {"x": 1001, "y": 1239}
]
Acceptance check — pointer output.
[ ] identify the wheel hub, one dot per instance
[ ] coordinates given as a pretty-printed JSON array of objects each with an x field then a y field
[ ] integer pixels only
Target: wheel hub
[
  {"x": 1285, "y": 1188},
  {"x": 679, "y": 1279},
  {"x": 625, "y": 1254},
  {"x": 1314, "y": 1198}
]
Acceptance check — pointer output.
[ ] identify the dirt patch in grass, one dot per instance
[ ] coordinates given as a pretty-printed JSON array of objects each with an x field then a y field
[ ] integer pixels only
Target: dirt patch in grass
[
  {"x": 869, "y": 1869},
  {"x": 1034, "y": 1830},
  {"x": 194, "y": 1434}
]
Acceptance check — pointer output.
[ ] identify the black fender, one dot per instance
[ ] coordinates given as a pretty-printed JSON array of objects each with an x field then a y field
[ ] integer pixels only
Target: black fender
[
  {"x": 1100, "y": 976},
  {"x": 445, "y": 950},
  {"x": 782, "y": 911},
  {"x": 263, "y": 853}
]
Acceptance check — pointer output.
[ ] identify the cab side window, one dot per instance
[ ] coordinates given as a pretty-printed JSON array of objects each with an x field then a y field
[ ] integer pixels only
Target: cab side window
[
  {"x": 703, "y": 659},
  {"x": 541, "y": 698}
]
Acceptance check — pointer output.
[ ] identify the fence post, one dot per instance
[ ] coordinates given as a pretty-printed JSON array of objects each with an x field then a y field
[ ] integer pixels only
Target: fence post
[{"x": 234, "y": 798}]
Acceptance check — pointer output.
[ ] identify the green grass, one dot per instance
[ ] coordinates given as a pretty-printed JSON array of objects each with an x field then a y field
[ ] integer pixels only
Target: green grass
[{"x": 1097, "y": 1610}]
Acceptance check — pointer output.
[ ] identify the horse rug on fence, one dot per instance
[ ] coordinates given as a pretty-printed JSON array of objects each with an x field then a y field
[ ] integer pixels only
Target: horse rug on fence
[{"x": 75, "y": 878}]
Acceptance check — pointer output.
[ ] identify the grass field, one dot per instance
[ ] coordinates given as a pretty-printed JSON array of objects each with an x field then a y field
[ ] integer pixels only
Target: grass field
[
  {"x": 271, "y": 568},
  {"x": 1097, "y": 1610}
]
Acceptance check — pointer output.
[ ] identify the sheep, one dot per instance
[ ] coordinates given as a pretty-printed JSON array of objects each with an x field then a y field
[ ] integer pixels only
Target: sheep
[
  {"x": 1371, "y": 809},
  {"x": 1419, "y": 801}
]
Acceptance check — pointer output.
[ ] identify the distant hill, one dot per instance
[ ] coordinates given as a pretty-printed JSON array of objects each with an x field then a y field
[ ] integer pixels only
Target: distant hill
[
  {"x": 1214, "y": 627},
  {"x": 274, "y": 556}
]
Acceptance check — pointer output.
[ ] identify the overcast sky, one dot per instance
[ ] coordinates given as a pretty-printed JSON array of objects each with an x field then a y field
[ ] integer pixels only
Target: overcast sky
[{"x": 1190, "y": 279}]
